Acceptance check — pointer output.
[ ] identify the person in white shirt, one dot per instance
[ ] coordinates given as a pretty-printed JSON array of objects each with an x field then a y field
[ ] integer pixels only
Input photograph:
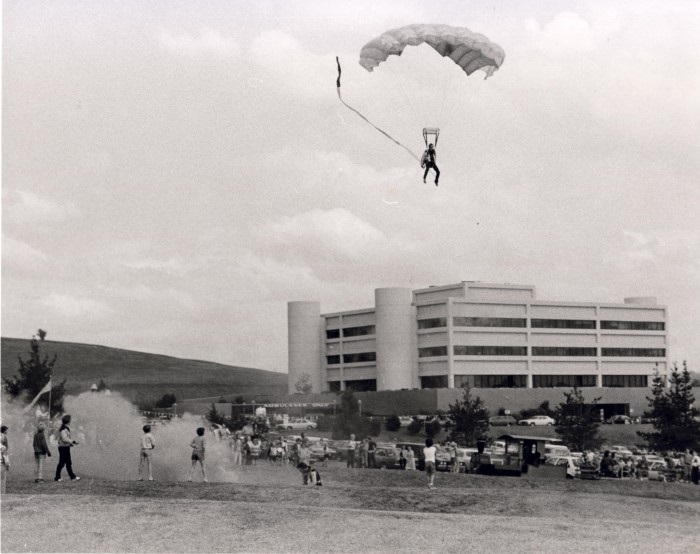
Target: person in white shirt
[
  {"x": 429, "y": 455},
  {"x": 148, "y": 443},
  {"x": 351, "y": 451}
]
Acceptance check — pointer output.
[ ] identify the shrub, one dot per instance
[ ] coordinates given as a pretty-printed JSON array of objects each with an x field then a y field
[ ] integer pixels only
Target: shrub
[
  {"x": 375, "y": 427},
  {"x": 432, "y": 427},
  {"x": 393, "y": 423},
  {"x": 413, "y": 427}
]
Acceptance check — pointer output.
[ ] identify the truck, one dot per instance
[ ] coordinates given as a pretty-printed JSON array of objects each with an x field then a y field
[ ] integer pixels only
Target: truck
[{"x": 517, "y": 455}]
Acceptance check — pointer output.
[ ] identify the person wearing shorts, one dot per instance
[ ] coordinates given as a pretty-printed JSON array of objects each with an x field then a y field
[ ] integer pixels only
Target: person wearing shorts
[
  {"x": 198, "y": 446},
  {"x": 429, "y": 454}
]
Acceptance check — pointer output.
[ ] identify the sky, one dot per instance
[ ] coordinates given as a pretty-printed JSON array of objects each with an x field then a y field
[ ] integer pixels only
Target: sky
[{"x": 173, "y": 173}]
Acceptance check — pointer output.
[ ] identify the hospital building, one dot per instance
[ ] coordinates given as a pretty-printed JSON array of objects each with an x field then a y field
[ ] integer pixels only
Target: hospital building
[{"x": 489, "y": 336}]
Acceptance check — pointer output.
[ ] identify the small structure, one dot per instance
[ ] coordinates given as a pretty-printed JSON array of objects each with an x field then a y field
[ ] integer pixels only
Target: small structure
[{"x": 518, "y": 455}]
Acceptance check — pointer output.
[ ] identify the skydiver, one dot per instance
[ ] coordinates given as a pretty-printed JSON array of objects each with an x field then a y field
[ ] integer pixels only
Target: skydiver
[{"x": 429, "y": 162}]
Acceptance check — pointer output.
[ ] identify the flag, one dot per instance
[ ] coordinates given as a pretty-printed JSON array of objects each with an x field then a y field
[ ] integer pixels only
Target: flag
[{"x": 47, "y": 388}]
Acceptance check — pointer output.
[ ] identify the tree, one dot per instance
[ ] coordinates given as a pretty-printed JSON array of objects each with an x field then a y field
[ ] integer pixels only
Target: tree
[
  {"x": 577, "y": 423},
  {"x": 303, "y": 384},
  {"x": 102, "y": 386},
  {"x": 432, "y": 427},
  {"x": 348, "y": 419},
  {"x": 34, "y": 374},
  {"x": 41, "y": 334},
  {"x": 675, "y": 418},
  {"x": 414, "y": 427},
  {"x": 392, "y": 423},
  {"x": 166, "y": 401},
  {"x": 213, "y": 416},
  {"x": 468, "y": 419}
]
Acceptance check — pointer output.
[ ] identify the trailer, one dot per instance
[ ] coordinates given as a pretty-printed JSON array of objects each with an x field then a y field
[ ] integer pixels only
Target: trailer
[{"x": 518, "y": 455}]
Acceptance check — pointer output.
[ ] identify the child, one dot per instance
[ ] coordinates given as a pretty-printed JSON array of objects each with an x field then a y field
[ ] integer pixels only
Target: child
[
  {"x": 198, "y": 445},
  {"x": 148, "y": 443},
  {"x": 429, "y": 455},
  {"x": 309, "y": 474},
  {"x": 41, "y": 450}
]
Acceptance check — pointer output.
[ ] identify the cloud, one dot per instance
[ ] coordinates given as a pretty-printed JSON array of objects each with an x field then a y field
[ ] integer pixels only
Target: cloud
[
  {"x": 565, "y": 34},
  {"x": 20, "y": 256},
  {"x": 287, "y": 63},
  {"x": 173, "y": 266},
  {"x": 206, "y": 42},
  {"x": 72, "y": 307},
  {"x": 332, "y": 234},
  {"x": 22, "y": 207}
]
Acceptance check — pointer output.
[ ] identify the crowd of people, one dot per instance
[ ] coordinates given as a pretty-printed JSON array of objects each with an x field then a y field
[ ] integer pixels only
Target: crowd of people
[{"x": 683, "y": 467}]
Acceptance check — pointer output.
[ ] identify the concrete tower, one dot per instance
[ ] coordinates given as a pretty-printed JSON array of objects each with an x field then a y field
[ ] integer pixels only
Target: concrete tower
[
  {"x": 395, "y": 332},
  {"x": 304, "y": 326}
]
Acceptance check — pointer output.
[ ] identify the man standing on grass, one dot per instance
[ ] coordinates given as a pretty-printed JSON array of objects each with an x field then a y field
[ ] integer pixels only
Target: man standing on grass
[
  {"x": 148, "y": 443},
  {"x": 351, "y": 451},
  {"x": 65, "y": 443}
]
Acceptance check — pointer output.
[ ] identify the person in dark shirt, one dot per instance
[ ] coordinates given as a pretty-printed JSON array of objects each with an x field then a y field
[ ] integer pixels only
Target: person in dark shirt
[{"x": 428, "y": 162}]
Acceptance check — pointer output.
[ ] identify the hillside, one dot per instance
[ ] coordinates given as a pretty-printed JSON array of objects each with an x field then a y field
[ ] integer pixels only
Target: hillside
[{"x": 143, "y": 377}]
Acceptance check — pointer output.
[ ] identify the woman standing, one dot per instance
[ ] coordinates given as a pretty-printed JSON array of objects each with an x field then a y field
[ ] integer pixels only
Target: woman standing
[{"x": 410, "y": 459}]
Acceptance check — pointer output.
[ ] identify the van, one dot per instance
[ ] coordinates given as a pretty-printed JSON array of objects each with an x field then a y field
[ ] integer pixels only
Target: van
[{"x": 552, "y": 450}]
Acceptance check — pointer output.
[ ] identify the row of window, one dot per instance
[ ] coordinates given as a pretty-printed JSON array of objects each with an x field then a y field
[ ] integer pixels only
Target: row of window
[
  {"x": 436, "y": 322},
  {"x": 562, "y": 351},
  {"x": 360, "y": 331},
  {"x": 506, "y": 381},
  {"x": 462, "y": 350},
  {"x": 538, "y": 381}
]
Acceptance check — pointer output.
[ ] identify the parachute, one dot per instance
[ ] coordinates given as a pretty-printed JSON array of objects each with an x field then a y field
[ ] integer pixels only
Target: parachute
[{"x": 470, "y": 51}]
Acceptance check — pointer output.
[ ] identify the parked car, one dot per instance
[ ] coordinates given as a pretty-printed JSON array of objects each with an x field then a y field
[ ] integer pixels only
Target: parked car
[
  {"x": 573, "y": 470},
  {"x": 502, "y": 420},
  {"x": 405, "y": 420},
  {"x": 537, "y": 420},
  {"x": 621, "y": 451},
  {"x": 556, "y": 451},
  {"x": 387, "y": 458},
  {"x": 658, "y": 471},
  {"x": 619, "y": 420},
  {"x": 298, "y": 423}
]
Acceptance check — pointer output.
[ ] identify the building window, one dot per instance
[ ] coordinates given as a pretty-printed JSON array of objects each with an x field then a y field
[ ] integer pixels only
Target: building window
[
  {"x": 332, "y": 360},
  {"x": 635, "y": 352},
  {"x": 434, "y": 382},
  {"x": 461, "y": 350},
  {"x": 333, "y": 386},
  {"x": 547, "y": 381},
  {"x": 562, "y": 323},
  {"x": 359, "y": 331},
  {"x": 488, "y": 322},
  {"x": 359, "y": 357},
  {"x": 562, "y": 351},
  {"x": 499, "y": 381},
  {"x": 332, "y": 333},
  {"x": 361, "y": 385},
  {"x": 432, "y": 323},
  {"x": 625, "y": 381},
  {"x": 633, "y": 325},
  {"x": 432, "y": 351}
]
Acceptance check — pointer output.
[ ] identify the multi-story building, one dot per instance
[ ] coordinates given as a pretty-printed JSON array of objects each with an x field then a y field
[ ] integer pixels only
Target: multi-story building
[{"x": 485, "y": 335}]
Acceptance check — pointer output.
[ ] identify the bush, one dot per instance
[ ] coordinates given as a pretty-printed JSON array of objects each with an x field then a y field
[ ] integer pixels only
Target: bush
[
  {"x": 432, "y": 427},
  {"x": 325, "y": 423},
  {"x": 375, "y": 427},
  {"x": 413, "y": 427},
  {"x": 393, "y": 423}
]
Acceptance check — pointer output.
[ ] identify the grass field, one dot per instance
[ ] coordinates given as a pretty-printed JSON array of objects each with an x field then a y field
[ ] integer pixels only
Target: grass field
[
  {"x": 266, "y": 509},
  {"x": 142, "y": 376}
]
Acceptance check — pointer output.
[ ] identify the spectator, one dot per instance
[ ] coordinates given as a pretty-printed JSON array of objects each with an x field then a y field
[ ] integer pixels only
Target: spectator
[
  {"x": 41, "y": 450},
  {"x": 695, "y": 468},
  {"x": 65, "y": 443},
  {"x": 237, "y": 446},
  {"x": 303, "y": 453},
  {"x": 642, "y": 469},
  {"x": 148, "y": 443},
  {"x": 364, "y": 460},
  {"x": 326, "y": 453},
  {"x": 687, "y": 465},
  {"x": 3, "y": 436},
  {"x": 410, "y": 459},
  {"x": 452, "y": 449},
  {"x": 198, "y": 446},
  {"x": 402, "y": 458},
  {"x": 351, "y": 451},
  {"x": 429, "y": 455},
  {"x": 4, "y": 466},
  {"x": 254, "y": 450},
  {"x": 371, "y": 453}
]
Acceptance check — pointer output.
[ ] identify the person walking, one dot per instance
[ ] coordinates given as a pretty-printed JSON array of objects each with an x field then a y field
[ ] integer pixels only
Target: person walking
[
  {"x": 41, "y": 451},
  {"x": 65, "y": 443}
]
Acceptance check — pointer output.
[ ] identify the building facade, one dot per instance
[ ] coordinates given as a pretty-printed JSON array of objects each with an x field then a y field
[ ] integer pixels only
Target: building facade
[{"x": 480, "y": 334}]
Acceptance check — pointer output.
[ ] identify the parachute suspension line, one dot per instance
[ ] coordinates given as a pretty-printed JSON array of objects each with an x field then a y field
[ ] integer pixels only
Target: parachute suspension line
[
  {"x": 431, "y": 132},
  {"x": 387, "y": 135}
]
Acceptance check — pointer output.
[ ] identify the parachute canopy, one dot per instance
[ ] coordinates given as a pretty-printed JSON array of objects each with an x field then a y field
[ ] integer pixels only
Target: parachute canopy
[{"x": 470, "y": 51}]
